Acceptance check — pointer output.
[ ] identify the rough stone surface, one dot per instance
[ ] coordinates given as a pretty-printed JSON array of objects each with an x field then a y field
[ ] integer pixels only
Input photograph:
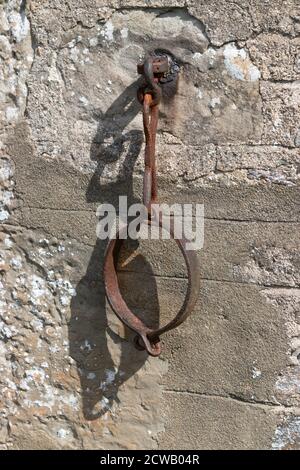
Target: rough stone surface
[{"x": 70, "y": 139}]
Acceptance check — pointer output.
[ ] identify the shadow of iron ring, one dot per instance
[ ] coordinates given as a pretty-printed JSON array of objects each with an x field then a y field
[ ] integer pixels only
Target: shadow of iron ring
[{"x": 148, "y": 338}]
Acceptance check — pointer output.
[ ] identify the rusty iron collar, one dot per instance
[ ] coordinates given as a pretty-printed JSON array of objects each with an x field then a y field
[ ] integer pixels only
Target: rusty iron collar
[{"x": 158, "y": 68}]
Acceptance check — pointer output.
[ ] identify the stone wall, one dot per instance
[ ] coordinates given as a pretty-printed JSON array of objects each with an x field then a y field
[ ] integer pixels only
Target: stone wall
[{"x": 71, "y": 138}]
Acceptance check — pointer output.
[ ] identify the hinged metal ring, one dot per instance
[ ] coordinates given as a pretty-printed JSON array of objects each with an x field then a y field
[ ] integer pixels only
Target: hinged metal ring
[{"x": 148, "y": 338}]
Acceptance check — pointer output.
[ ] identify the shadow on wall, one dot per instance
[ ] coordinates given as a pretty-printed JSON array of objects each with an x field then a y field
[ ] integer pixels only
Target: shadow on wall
[{"x": 100, "y": 376}]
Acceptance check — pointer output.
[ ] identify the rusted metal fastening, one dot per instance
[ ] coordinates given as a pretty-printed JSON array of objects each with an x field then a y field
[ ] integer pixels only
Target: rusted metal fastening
[{"x": 158, "y": 69}]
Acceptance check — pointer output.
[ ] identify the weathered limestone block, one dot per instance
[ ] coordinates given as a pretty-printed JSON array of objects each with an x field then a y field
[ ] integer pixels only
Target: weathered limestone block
[
  {"x": 276, "y": 15},
  {"x": 277, "y": 57},
  {"x": 6, "y": 187},
  {"x": 239, "y": 252},
  {"x": 240, "y": 20},
  {"x": 221, "y": 424},
  {"x": 16, "y": 56},
  {"x": 235, "y": 354},
  {"x": 287, "y": 435},
  {"x": 258, "y": 202},
  {"x": 223, "y": 84},
  {"x": 287, "y": 385},
  {"x": 281, "y": 113},
  {"x": 223, "y": 22},
  {"x": 77, "y": 125},
  {"x": 269, "y": 164}
]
